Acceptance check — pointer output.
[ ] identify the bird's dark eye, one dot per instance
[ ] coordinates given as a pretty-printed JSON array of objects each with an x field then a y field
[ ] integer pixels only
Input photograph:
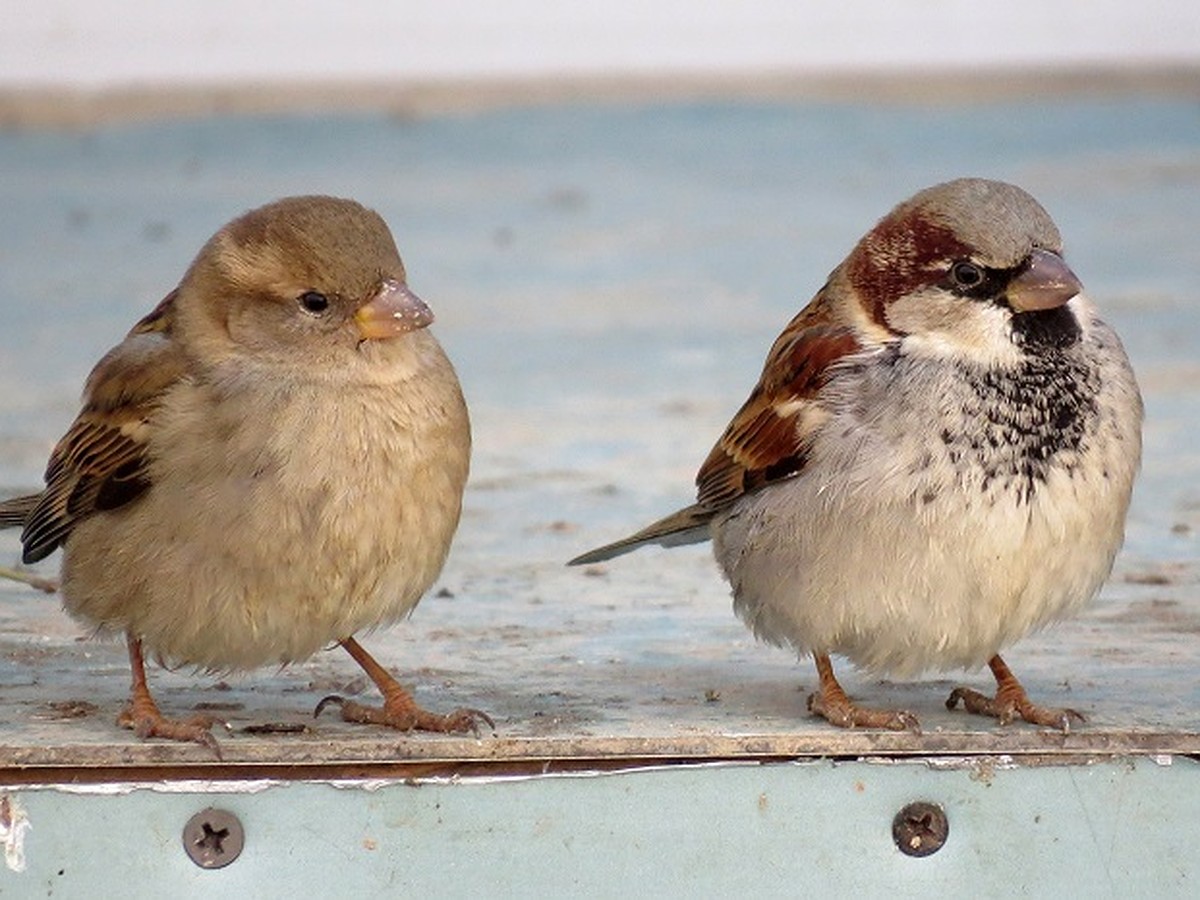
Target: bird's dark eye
[
  {"x": 314, "y": 302},
  {"x": 966, "y": 275}
]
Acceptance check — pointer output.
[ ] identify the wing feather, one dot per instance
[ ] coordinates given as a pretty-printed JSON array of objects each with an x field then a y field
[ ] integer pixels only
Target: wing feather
[
  {"x": 769, "y": 437},
  {"x": 101, "y": 462}
]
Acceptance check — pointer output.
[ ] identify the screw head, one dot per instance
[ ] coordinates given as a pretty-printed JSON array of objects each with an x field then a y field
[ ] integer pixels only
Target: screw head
[
  {"x": 213, "y": 838},
  {"x": 920, "y": 829}
]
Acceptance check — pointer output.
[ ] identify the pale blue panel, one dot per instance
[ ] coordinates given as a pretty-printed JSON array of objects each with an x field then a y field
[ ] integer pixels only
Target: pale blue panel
[{"x": 1120, "y": 828}]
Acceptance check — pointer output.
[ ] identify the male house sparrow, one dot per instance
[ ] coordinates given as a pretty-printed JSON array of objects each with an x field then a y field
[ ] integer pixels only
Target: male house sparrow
[
  {"x": 936, "y": 461},
  {"x": 272, "y": 460}
]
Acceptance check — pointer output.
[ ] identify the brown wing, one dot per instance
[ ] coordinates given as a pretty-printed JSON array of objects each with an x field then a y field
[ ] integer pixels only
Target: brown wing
[
  {"x": 100, "y": 463},
  {"x": 768, "y": 438},
  {"x": 15, "y": 510}
]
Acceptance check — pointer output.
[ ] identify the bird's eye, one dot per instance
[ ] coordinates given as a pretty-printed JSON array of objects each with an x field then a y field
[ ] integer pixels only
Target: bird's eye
[
  {"x": 314, "y": 302},
  {"x": 966, "y": 274}
]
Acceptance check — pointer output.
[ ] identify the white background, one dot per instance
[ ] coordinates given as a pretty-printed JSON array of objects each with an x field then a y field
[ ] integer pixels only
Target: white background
[{"x": 85, "y": 43}]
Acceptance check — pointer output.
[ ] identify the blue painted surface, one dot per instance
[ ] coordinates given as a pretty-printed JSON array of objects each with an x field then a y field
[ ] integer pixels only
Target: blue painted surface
[
  {"x": 1121, "y": 828},
  {"x": 608, "y": 278},
  {"x": 578, "y": 255}
]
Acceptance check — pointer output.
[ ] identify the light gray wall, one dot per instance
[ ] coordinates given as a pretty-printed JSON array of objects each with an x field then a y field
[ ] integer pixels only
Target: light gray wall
[{"x": 95, "y": 44}]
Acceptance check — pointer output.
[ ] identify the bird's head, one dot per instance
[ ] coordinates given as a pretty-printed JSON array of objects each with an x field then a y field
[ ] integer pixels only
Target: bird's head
[
  {"x": 969, "y": 267},
  {"x": 303, "y": 278}
]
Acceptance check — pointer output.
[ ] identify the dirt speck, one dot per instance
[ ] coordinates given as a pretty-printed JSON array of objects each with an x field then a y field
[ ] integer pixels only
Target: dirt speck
[{"x": 66, "y": 709}]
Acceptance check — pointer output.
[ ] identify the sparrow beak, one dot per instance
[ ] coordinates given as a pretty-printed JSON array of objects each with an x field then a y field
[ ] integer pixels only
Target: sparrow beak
[
  {"x": 394, "y": 310},
  {"x": 1046, "y": 283}
]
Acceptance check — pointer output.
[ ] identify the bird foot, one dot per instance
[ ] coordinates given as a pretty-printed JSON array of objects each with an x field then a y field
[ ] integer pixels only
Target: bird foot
[
  {"x": 147, "y": 722},
  {"x": 1010, "y": 703},
  {"x": 841, "y": 711},
  {"x": 401, "y": 712}
]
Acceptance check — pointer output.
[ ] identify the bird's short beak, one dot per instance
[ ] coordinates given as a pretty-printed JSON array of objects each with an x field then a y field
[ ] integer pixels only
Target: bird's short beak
[
  {"x": 394, "y": 310},
  {"x": 1046, "y": 283}
]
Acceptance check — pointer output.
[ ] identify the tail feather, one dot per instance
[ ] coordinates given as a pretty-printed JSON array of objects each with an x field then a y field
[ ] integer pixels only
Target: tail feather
[
  {"x": 688, "y": 526},
  {"x": 15, "y": 511}
]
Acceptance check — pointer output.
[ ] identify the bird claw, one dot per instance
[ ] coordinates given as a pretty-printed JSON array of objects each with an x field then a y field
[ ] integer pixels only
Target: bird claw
[
  {"x": 151, "y": 723},
  {"x": 842, "y": 712},
  {"x": 466, "y": 719},
  {"x": 326, "y": 701},
  {"x": 403, "y": 714},
  {"x": 1006, "y": 706}
]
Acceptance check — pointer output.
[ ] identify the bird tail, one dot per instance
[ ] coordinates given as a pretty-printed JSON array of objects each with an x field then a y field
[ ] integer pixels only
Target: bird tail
[
  {"x": 688, "y": 526},
  {"x": 15, "y": 511}
]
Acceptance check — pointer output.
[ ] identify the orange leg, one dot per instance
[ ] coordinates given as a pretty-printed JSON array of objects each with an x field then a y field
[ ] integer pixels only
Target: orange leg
[
  {"x": 399, "y": 709},
  {"x": 142, "y": 714},
  {"x": 831, "y": 703},
  {"x": 1010, "y": 701}
]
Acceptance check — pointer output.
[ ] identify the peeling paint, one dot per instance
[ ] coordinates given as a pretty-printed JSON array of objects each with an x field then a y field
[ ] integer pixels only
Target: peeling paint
[{"x": 13, "y": 824}]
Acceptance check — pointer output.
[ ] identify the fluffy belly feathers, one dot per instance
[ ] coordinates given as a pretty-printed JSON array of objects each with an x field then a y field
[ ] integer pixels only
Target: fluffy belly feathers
[
  {"x": 906, "y": 584},
  {"x": 932, "y": 530},
  {"x": 310, "y": 575}
]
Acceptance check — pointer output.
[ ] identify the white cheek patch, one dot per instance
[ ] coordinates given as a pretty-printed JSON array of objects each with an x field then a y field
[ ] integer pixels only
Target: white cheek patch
[{"x": 940, "y": 324}]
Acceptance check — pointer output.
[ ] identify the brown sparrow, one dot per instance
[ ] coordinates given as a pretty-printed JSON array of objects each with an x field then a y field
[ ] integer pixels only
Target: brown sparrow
[
  {"x": 936, "y": 461},
  {"x": 271, "y": 461}
]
